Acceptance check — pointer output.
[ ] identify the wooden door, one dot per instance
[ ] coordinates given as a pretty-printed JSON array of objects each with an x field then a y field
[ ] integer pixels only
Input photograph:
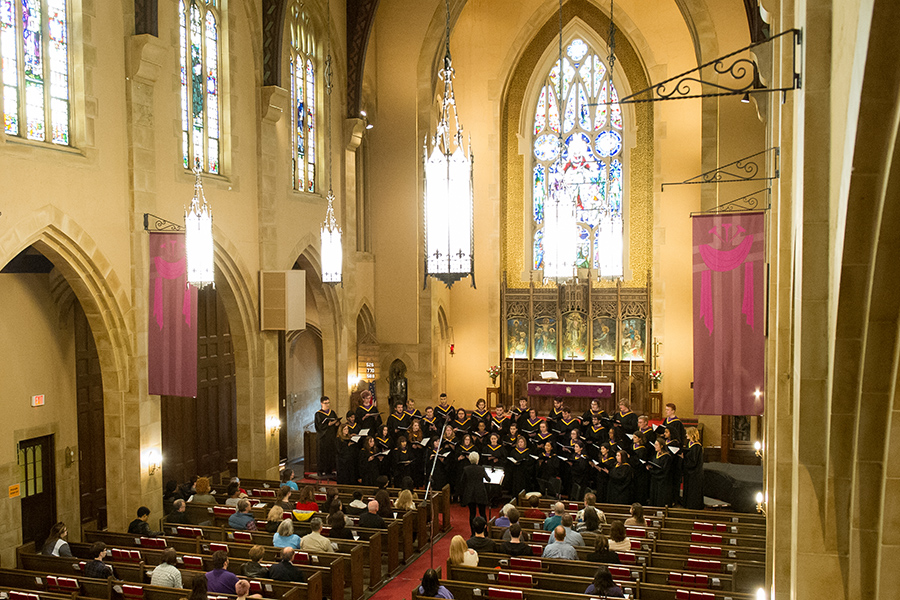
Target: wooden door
[
  {"x": 199, "y": 434},
  {"x": 37, "y": 488},
  {"x": 89, "y": 400}
]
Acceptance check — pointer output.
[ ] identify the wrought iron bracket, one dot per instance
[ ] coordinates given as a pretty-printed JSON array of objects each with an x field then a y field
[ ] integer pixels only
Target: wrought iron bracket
[
  {"x": 737, "y": 76},
  {"x": 749, "y": 203},
  {"x": 744, "y": 169},
  {"x": 156, "y": 224}
]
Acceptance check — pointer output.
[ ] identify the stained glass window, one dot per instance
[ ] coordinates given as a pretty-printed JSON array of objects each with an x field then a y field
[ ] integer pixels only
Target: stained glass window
[
  {"x": 200, "y": 107},
  {"x": 34, "y": 61},
  {"x": 303, "y": 93},
  {"x": 577, "y": 193}
]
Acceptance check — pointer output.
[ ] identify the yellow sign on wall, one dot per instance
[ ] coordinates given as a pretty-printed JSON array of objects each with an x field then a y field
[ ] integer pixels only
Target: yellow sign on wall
[{"x": 14, "y": 491}]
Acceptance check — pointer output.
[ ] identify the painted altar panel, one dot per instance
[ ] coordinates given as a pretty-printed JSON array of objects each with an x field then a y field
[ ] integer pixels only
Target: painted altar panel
[
  {"x": 634, "y": 335},
  {"x": 603, "y": 346},
  {"x": 574, "y": 336},
  {"x": 517, "y": 337},
  {"x": 545, "y": 338}
]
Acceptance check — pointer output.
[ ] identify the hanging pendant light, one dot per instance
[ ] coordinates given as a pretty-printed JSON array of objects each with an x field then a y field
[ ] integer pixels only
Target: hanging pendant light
[
  {"x": 198, "y": 238},
  {"x": 332, "y": 249},
  {"x": 560, "y": 226},
  {"x": 449, "y": 238}
]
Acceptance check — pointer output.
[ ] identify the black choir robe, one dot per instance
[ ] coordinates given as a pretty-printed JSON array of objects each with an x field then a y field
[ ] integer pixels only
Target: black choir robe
[
  {"x": 326, "y": 436},
  {"x": 693, "y": 476},
  {"x": 621, "y": 482},
  {"x": 661, "y": 479},
  {"x": 368, "y": 418}
]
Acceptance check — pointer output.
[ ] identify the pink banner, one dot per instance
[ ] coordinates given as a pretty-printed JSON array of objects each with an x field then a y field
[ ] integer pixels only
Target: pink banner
[
  {"x": 729, "y": 314},
  {"x": 172, "y": 338}
]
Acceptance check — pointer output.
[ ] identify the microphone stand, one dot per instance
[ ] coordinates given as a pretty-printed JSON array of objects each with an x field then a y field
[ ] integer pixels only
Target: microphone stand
[{"x": 431, "y": 481}]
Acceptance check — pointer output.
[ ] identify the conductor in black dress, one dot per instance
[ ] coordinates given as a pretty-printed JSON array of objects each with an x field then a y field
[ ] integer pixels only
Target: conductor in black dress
[
  {"x": 473, "y": 492},
  {"x": 326, "y": 436}
]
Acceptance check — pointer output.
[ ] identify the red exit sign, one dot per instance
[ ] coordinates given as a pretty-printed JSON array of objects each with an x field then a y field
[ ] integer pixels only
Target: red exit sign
[{"x": 37, "y": 400}]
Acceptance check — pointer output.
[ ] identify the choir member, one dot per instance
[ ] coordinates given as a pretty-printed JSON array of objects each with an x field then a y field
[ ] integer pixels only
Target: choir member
[
  {"x": 411, "y": 409},
  {"x": 566, "y": 423},
  {"x": 594, "y": 411},
  {"x": 621, "y": 481},
  {"x": 441, "y": 468},
  {"x": 640, "y": 453},
  {"x": 674, "y": 424},
  {"x": 556, "y": 411},
  {"x": 385, "y": 443},
  {"x": 520, "y": 472},
  {"x": 580, "y": 470},
  {"x": 444, "y": 410},
  {"x": 512, "y": 435},
  {"x": 660, "y": 476},
  {"x": 531, "y": 425},
  {"x": 416, "y": 440},
  {"x": 595, "y": 436},
  {"x": 401, "y": 460},
  {"x": 500, "y": 421},
  {"x": 543, "y": 435},
  {"x": 430, "y": 425},
  {"x": 326, "y": 423},
  {"x": 462, "y": 424},
  {"x": 398, "y": 422},
  {"x": 520, "y": 413},
  {"x": 624, "y": 421},
  {"x": 346, "y": 467},
  {"x": 646, "y": 429},
  {"x": 493, "y": 453},
  {"x": 352, "y": 422},
  {"x": 481, "y": 414},
  {"x": 367, "y": 414},
  {"x": 674, "y": 447},
  {"x": 480, "y": 435},
  {"x": 370, "y": 461},
  {"x": 693, "y": 471},
  {"x": 548, "y": 463},
  {"x": 606, "y": 461}
]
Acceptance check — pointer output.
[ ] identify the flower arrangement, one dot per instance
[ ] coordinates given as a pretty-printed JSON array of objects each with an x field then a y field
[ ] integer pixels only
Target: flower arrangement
[
  {"x": 656, "y": 375},
  {"x": 494, "y": 371}
]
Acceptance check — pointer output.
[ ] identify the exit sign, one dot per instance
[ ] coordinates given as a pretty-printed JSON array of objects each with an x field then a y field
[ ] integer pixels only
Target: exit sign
[{"x": 37, "y": 400}]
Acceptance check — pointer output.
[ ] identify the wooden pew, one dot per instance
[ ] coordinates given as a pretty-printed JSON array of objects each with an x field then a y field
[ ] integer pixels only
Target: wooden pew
[
  {"x": 748, "y": 575},
  {"x": 348, "y": 571},
  {"x": 25, "y": 594},
  {"x": 712, "y": 539},
  {"x": 709, "y": 550}
]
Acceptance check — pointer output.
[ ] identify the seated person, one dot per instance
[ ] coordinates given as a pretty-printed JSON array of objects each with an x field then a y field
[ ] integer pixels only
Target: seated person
[
  {"x": 242, "y": 519},
  {"x": 534, "y": 512},
  {"x": 558, "y": 548},
  {"x": 503, "y": 519},
  {"x": 480, "y": 542},
  {"x": 140, "y": 526},
  {"x": 314, "y": 541},
  {"x": 339, "y": 530},
  {"x": 178, "y": 516},
  {"x": 96, "y": 567},
  {"x": 515, "y": 546},
  {"x": 461, "y": 554},
  {"x": 220, "y": 580},
  {"x": 371, "y": 518},
  {"x": 618, "y": 541},
  {"x": 285, "y": 569},
  {"x": 602, "y": 553},
  {"x": 285, "y": 537},
  {"x": 201, "y": 493},
  {"x": 551, "y": 522},
  {"x": 513, "y": 515},
  {"x": 56, "y": 544},
  {"x": 604, "y": 585},
  {"x": 357, "y": 507},
  {"x": 166, "y": 573},
  {"x": 253, "y": 568},
  {"x": 431, "y": 586}
]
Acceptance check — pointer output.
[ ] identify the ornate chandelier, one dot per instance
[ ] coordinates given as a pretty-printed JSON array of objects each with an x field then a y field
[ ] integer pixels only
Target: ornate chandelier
[
  {"x": 449, "y": 239},
  {"x": 332, "y": 248},
  {"x": 198, "y": 238}
]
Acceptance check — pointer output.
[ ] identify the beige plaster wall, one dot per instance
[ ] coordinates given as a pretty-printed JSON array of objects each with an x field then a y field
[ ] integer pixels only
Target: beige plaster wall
[{"x": 37, "y": 356}]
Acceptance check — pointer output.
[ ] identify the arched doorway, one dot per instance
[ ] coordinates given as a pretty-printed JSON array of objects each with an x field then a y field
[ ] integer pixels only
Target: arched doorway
[{"x": 304, "y": 382}]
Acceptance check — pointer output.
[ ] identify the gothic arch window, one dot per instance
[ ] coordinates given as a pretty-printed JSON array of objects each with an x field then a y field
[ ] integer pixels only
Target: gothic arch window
[
  {"x": 304, "y": 85},
  {"x": 200, "y": 26},
  {"x": 578, "y": 191},
  {"x": 34, "y": 47}
]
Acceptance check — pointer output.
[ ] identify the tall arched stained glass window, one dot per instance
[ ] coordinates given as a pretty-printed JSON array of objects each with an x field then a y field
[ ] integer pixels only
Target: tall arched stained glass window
[
  {"x": 303, "y": 98},
  {"x": 577, "y": 194},
  {"x": 34, "y": 47},
  {"x": 199, "y": 22}
]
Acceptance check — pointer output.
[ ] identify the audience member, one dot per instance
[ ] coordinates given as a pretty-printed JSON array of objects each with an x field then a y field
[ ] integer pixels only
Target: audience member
[
  {"x": 602, "y": 553},
  {"x": 479, "y": 541},
  {"x": 233, "y": 494},
  {"x": 384, "y": 504},
  {"x": 307, "y": 500},
  {"x": 534, "y": 512},
  {"x": 357, "y": 506},
  {"x": 572, "y": 537},
  {"x": 590, "y": 500},
  {"x": 274, "y": 518},
  {"x": 242, "y": 519},
  {"x": 242, "y": 589},
  {"x": 591, "y": 521},
  {"x": 166, "y": 573},
  {"x": 431, "y": 586},
  {"x": 382, "y": 481},
  {"x": 618, "y": 542},
  {"x": 178, "y": 516},
  {"x": 140, "y": 525},
  {"x": 314, "y": 541},
  {"x": 461, "y": 554},
  {"x": 339, "y": 530},
  {"x": 515, "y": 546},
  {"x": 287, "y": 478},
  {"x": 56, "y": 544},
  {"x": 96, "y": 567},
  {"x": 201, "y": 494},
  {"x": 604, "y": 585},
  {"x": 503, "y": 519},
  {"x": 371, "y": 518},
  {"x": 198, "y": 589},
  {"x": 404, "y": 502},
  {"x": 637, "y": 516},
  {"x": 558, "y": 548},
  {"x": 253, "y": 568},
  {"x": 551, "y": 522},
  {"x": 220, "y": 580},
  {"x": 285, "y": 536},
  {"x": 513, "y": 516},
  {"x": 285, "y": 569},
  {"x": 284, "y": 498}
]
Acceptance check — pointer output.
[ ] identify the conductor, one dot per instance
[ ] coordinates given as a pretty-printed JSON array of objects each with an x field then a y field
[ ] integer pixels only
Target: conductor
[
  {"x": 474, "y": 492},
  {"x": 326, "y": 436}
]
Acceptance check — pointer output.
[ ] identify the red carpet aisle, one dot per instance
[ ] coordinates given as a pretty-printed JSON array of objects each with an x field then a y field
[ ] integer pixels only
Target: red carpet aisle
[{"x": 401, "y": 585}]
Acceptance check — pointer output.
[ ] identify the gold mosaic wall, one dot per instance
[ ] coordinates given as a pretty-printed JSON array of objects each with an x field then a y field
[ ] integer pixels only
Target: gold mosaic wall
[{"x": 640, "y": 208}]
